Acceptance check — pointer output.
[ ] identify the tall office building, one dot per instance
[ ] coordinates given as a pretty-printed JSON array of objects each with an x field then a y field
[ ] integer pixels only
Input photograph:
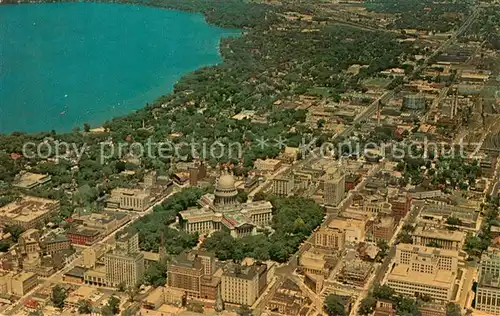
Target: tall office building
[
  {"x": 488, "y": 287},
  {"x": 243, "y": 284},
  {"x": 329, "y": 238},
  {"x": 334, "y": 188},
  {"x": 125, "y": 264},
  {"x": 193, "y": 273}
]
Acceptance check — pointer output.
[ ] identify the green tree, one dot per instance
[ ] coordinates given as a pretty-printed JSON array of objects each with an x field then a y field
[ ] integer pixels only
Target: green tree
[
  {"x": 333, "y": 306},
  {"x": 37, "y": 312},
  {"x": 242, "y": 196},
  {"x": 244, "y": 310},
  {"x": 367, "y": 305},
  {"x": 4, "y": 246},
  {"x": 259, "y": 196},
  {"x": 14, "y": 230},
  {"x": 58, "y": 296},
  {"x": 195, "y": 307},
  {"x": 383, "y": 292},
  {"x": 405, "y": 238},
  {"x": 132, "y": 292},
  {"x": 86, "y": 127},
  {"x": 112, "y": 307},
  {"x": 122, "y": 286},
  {"x": 84, "y": 307},
  {"x": 156, "y": 274},
  {"x": 407, "y": 307},
  {"x": 453, "y": 309},
  {"x": 453, "y": 221}
]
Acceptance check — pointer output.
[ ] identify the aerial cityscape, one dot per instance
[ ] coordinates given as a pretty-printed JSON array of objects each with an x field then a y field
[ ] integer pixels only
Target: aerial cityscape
[{"x": 335, "y": 158}]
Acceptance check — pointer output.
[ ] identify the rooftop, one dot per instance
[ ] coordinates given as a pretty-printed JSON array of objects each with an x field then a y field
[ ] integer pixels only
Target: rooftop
[
  {"x": 82, "y": 231},
  {"x": 428, "y": 251},
  {"x": 151, "y": 256},
  {"x": 100, "y": 218},
  {"x": 403, "y": 272},
  {"x": 53, "y": 238},
  {"x": 76, "y": 272},
  {"x": 438, "y": 233},
  {"x": 343, "y": 224},
  {"x": 23, "y": 276},
  {"x": 140, "y": 193},
  {"x": 29, "y": 180},
  {"x": 28, "y": 208},
  {"x": 243, "y": 272}
]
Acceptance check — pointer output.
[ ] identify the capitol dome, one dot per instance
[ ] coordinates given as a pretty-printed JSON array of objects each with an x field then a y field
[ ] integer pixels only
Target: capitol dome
[
  {"x": 225, "y": 190},
  {"x": 226, "y": 182}
]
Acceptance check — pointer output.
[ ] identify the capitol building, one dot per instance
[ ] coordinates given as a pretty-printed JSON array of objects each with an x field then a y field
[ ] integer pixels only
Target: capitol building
[{"x": 222, "y": 210}]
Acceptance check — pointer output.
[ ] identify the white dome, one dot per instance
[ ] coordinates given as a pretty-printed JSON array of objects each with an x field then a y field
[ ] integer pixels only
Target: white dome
[{"x": 226, "y": 182}]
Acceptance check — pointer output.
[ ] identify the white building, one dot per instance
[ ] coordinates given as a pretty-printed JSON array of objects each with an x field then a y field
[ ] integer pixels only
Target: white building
[{"x": 221, "y": 210}]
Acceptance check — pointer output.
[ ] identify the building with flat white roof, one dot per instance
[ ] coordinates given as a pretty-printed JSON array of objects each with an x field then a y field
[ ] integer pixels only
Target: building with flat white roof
[
  {"x": 424, "y": 270},
  {"x": 488, "y": 287},
  {"x": 28, "y": 212},
  {"x": 30, "y": 180},
  {"x": 129, "y": 199}
]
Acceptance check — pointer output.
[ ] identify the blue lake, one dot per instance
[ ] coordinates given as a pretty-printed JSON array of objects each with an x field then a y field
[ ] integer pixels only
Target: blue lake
[{"x": 62, "y": 65}]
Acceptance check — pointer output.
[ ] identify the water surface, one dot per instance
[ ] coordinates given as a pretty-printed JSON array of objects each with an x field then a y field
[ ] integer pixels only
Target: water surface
[{"x": 62, "y": 65}]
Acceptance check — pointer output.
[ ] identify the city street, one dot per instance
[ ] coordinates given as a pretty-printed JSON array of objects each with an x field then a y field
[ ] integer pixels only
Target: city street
[{"x": 12, "y": 309}]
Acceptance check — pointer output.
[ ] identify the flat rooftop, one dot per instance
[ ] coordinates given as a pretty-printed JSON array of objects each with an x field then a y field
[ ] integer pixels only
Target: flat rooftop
[
  {"x": 29, "y": 180},
  {"x": 341, "y": 223},
  {"x": 438, "y": 233},
  {"x": 101, "y": 218},
  {"x": 129, "y": 192},
  {"x": 402, "y": 272},
  {"x": 423, "y": 250},
  {"x": 28, "y": 208}
]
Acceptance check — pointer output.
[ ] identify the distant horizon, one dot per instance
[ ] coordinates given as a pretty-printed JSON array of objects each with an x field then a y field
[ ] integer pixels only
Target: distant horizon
[{"x": 72, "y": 86}]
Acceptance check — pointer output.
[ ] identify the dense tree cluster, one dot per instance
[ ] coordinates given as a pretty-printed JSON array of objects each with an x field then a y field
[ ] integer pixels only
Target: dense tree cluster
[
  {"x": 475, "y": 245},
  {"x": 485, "y": 28},
  {"x": 447, "y": 172},
  {"x": 151, "y": 226},
  {"x": 423, "y": 14},
  {"x": 293, "y": 220},
  {"x": 334, "y": 305}
]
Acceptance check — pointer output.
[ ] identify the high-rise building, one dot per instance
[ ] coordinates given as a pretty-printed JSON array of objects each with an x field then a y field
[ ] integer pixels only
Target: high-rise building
[
  {"x": 424, "y": 270},
  {"x": 383, "y": 229},
  {"x": 192, "y": 273},
  {"x": 488, "y": 287},
  {"x": 243, "y": 284},
  {"x": 125, "y": 264},
  {"x": 127, "y": 242},
  {"x": 401, "y": 205},
  {"x": 124, "y": 268},
  {"x": 150, "y": 179},
  {"x": 193, "y": 176},
  {"x": 334, "y": 188},
  {"x": 329, "y": 238}
]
